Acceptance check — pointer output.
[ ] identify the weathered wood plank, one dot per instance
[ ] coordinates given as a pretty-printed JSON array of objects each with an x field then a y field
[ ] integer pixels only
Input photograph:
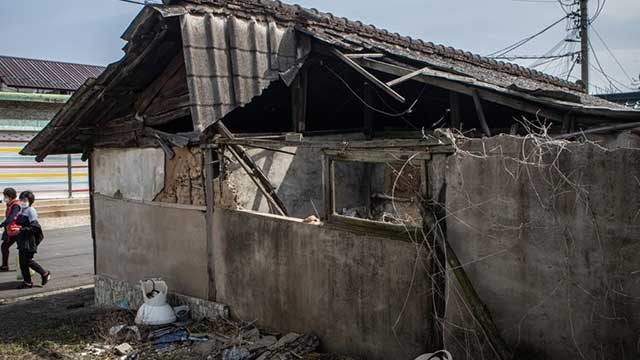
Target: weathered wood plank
[
  {"x": 299, "y": 100},
  {"x": 374, "y": 80},
  {"x": 480, "y": 111}
]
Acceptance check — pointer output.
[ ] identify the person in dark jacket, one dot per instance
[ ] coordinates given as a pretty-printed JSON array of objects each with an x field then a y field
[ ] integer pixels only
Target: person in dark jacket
[
  {"x": 9, "y": 225},
  {"x": 28, "y": 240}
]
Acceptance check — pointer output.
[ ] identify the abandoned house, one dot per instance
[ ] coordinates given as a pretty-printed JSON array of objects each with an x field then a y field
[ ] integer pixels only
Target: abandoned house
[{"x": 312, "y": 173}]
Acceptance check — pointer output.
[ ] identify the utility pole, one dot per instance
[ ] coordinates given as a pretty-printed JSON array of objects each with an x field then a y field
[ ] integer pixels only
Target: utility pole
[{"x": 584, "y": 43}]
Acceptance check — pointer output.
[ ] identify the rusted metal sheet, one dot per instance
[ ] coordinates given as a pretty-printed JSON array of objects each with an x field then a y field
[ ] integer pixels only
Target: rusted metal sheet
[
  {"x": 231, "y": 60},
  {"x": 44, "y": 74}
]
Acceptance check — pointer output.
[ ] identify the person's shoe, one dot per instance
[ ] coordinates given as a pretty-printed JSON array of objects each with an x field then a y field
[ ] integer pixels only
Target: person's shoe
[
  {"x": 4, "y": 268},
  {"x": 24, "y": 285},
  {"x": 46, "y": 277}
]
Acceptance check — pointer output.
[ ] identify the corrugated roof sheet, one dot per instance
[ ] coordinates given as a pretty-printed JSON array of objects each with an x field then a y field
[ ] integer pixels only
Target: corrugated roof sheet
[
  {"x": 229, "y": 61},
  {"x": 45, "y": 74}
]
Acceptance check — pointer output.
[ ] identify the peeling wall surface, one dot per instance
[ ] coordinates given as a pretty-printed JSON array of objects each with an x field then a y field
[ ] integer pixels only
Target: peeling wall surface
[
  {"x": 137, "y": 240},
  {"x": 550, "y": 237},
  {"x": 350, "y": 289},
  {"x": 183, "y": 181},
  {"x": 136, "y": 174}
]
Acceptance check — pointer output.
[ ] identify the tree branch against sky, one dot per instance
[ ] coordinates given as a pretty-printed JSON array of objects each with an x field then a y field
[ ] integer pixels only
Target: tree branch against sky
[{"x": 88, "y": 31}]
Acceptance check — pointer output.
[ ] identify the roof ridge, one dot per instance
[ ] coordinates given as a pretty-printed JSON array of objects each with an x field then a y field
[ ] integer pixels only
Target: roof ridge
[{"x": 49, "y": 61}]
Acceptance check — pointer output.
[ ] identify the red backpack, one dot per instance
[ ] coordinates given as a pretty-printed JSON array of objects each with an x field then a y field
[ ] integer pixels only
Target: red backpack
[{"x": 12, "y": 228}]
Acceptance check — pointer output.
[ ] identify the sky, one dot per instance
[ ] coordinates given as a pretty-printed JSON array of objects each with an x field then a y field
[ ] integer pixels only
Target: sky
[{"x": 88, "y": 31}]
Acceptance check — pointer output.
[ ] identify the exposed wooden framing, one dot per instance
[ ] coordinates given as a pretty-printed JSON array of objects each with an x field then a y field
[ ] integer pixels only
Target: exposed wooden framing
[
  {"x": 480, "y": 111},
  {"x": 299, "y": 100},
  {"x": 368, "y": 113},
  {"x": 329, "y": 195},
  {"x": 406, "y": 77},
  {"x": 97, "y": 93},
  {"x": 435, "y": 145},
  {"x": 164, "y": 118},
  {"x": 253, "y": 170},
  {"x": 456, "y": 110},
  {"x": 268, "y": 194},
  {"x": 360, "y": 56},
  {"x": 150, "y": 93},
  {"x": 459, "y": 87},
  {"x": 386, "y": 156},
  {"x": 374, "y": 80},
  {"x": 209, "y": 201},
  {"x": 600, "y": 129}
]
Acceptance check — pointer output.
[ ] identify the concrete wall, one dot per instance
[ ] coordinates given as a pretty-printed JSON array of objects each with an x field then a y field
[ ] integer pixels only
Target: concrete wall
[
  {"x": 550, "y": 237},
  {"x": 350, "y": 289},
  {"x": 136, "y": 240},
  {"x": 136, "y": 174}
]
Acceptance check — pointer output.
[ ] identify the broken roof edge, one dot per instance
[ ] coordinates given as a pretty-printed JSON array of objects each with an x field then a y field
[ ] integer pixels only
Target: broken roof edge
[{"x": 309, "y": 17}]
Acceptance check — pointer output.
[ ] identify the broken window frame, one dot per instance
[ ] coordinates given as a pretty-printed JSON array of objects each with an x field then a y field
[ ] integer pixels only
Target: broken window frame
[{"x": 418, "y": 158}]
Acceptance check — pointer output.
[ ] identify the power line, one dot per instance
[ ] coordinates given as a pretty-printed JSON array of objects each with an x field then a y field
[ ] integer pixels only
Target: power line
[
  {"x": 606, "y": 76},
  {"x": 535, "y": 57},
  {"x": 519, "y": 43},
  {"x": 611, "y": 53}
]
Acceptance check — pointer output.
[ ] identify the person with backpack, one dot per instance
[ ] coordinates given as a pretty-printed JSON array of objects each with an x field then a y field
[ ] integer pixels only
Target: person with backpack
[
  {"x": 9, "y": 224},
  {"x": 29, "y": 237}
]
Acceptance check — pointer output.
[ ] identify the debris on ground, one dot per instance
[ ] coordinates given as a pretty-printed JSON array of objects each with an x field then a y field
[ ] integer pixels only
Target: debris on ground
[{"x": 48, "y": 328}]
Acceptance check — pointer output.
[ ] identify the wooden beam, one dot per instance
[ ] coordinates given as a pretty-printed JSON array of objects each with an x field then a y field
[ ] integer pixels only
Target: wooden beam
[
  {"x": 328, "y": 186},
  {"x": 369, "y": 115},
  {"x": 480, "y": 111},
  {"x": 253, "y": 169},
  {"x": 450, "y": 84},
  {"x": 600, "y": 129},
  {"x": 299, "y": 100},
  {"x": 374, "y": 80},
  {"x": 167, "y": 117},
  {"x": 360, "y": 56},
  {"x": 406, "y": 77},
  {"x": 209, "y": 201},
  {"x": 152, "y": 91},
  {"x": 455, "y": 110}
]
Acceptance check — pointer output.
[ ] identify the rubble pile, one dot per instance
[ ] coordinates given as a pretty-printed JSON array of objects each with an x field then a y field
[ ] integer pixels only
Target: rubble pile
[{"x": 215, "y": 340}]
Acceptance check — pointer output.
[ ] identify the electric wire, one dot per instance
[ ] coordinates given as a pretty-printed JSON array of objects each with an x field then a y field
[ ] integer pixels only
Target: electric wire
[
  {"x": 611, "y": 53},
  {"x": 407, "y": 111},
  {"x": 519, "y": 43},
  {"x": 601, "y": 70}
]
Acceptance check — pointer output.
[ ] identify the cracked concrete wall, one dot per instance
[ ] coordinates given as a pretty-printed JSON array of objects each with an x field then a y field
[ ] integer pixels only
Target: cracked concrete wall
[{"x": 549, "y": 236}]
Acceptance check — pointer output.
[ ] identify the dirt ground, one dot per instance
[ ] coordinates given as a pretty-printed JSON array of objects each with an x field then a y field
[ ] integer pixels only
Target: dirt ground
[{"x": 69, "y": 326}]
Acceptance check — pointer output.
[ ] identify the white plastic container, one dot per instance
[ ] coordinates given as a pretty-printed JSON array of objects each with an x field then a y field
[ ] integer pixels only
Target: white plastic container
[{"x": 155, "y": 310}]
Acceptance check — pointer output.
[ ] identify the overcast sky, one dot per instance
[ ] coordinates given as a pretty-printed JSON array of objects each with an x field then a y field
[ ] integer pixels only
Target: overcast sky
[{"x": 88, "y": 31}]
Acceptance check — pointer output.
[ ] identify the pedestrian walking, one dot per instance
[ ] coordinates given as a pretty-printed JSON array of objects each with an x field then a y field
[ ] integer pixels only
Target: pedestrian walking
[
  {"x": 9, "y": 224},
  {"x": 28, "y": 239}
]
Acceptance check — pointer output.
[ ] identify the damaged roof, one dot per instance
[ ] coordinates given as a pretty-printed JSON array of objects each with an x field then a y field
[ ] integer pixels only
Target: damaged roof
[
  {"x": 233, "y": 50},
  {"x": 45, "y": 74}
]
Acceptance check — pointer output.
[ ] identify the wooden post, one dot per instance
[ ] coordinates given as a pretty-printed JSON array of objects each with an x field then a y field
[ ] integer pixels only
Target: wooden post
[
  {"x": 328, "y": 173},
  {"x": 92, "y": 211},
  {"x": 483, "y": 121},
  {"x": 299, "y": 100},
  {"x": 454, "y": 104},
  {"x": 209, "y": 200},
  {"x": 368, "y": 113}
]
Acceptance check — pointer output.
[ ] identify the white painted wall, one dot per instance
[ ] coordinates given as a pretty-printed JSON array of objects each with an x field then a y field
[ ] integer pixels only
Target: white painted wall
[{"x": 137, "y": 173}]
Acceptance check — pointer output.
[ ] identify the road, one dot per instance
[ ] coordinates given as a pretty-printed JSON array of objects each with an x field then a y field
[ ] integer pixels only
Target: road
[{"x": 67, "y": 253}]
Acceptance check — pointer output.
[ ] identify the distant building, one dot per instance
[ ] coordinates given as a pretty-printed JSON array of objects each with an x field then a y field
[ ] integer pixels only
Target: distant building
[
  {"x": 31, "y": 93},
  {"x": 630, "y": 99}
]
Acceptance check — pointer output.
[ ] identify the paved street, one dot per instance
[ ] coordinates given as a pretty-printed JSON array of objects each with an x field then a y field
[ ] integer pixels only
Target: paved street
[{"x": 67, "y": 253}]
